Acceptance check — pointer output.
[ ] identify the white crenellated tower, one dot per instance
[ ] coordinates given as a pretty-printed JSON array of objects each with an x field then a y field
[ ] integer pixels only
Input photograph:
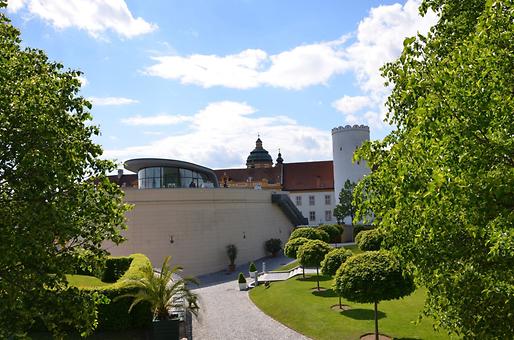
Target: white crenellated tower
[{"x": 345, "y": 140}]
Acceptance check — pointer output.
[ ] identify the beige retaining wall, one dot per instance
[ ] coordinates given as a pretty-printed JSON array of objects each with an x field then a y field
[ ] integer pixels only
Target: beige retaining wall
[{"x": 202, "y": 222}]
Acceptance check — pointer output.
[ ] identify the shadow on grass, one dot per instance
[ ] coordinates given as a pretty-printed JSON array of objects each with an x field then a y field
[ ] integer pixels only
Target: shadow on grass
[
  {"x": 313, "y": 278},
  {"x": 362, "y": 314},
  {"x": 329, "y": 293}
]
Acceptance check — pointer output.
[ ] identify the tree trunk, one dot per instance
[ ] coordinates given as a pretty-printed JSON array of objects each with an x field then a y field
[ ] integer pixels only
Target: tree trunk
[
  {"x": 317, "y": 277},
  {"x": 376, "y": 321},
  {"x": 303, "y": 271}
]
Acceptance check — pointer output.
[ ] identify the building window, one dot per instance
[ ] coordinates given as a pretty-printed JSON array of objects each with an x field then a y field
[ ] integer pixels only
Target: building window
[
  {"x": 312, "y": 216},
  {"x": 298, "y": 200},
  {"x": 328, "y": 215},
  {"x": 328, "y": 201},
  {"x": 311, "y": 200}
]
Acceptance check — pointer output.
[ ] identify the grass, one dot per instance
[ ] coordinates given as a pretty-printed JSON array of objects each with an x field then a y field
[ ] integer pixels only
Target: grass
[
  {"x": 294, "y": 304},
  {"x": 81, "y": 281}
]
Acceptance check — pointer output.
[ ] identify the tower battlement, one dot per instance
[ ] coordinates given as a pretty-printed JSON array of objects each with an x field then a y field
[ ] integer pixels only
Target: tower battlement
[{"x": 350, "y": 127}]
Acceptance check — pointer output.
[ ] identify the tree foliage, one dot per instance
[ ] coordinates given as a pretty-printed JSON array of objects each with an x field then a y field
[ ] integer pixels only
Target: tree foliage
[
  {"x": 291, "y": 247},
  {"x": 310, "y": 233},
  {"x": 334, "y": 259},
  {"x": 311, "y": 253},
  {"x": 55, "y": 200},
  {"x": 333, "y": 231},
  {"x": 442, "y": 185},
  {"x": 369, "y": 239},
  {"x": 346, "y": 207}
]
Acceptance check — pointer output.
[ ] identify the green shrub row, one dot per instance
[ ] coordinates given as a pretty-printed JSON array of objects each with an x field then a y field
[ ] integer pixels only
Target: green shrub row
[
  {"x": 310, "y": 233},
  {"x": 115, "y": 315}
]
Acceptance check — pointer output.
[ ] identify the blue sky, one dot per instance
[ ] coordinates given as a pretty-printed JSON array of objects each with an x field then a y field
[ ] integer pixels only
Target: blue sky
[{"x": 198, "y": 80}]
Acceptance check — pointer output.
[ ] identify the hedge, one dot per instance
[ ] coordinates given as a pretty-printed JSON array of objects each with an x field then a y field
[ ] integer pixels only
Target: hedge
[
  {"x": 358, "y": 228},
  {"x": 115, "y": 315},
  {"x": 333, "y": 232}
]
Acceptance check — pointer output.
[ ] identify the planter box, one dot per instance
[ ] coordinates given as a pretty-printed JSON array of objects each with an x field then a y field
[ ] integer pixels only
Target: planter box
[
  {"x": 253, "y": 275},
  {"x": 243, "y": 286},
  {"x": 165, "y": 329}
]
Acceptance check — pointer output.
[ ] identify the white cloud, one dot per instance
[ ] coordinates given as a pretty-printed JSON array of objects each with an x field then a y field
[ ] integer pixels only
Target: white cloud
[
  {"x": 162, "y": 119},
  {"x": 223, "y": 133},
  {"x": 93, "y": 16},
  {"x": 110, "y": 101},
  {"x": 351, "y": 104},
  {"x": 379, "y": 39},
  {"x": 297, "y": 68}
]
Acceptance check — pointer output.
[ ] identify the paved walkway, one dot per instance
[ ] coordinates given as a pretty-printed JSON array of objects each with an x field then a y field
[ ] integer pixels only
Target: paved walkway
[{"x": 228, "y": 314}]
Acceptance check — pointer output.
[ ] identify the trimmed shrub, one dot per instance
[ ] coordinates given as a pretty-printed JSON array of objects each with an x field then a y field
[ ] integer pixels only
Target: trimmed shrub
[
  {"x": 369, "y": 239},
  {"x": 292, "y": 246},
  {"x": 252, "y": 267},
  {"x": 114, "y": 315},
  {"x": 334, "y": 259},
  {"x": 241, "y": 278},
  {"x": 333, "y": 232},
  {"x": 358, "y": 228},
  {"x": 310, "y": 233},
  {"x": 273, "y": 245},
  {"x": 115, "y": 267}
]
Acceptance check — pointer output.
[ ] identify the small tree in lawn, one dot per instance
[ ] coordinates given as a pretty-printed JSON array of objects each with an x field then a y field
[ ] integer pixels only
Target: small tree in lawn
[
  {"x": 372, "y": 277},
  {"x": 332, "y": 261},
  {"x": 310, "y": 233},
  {"x": 312, "y": 253},
  {"x": 345, "y": 207},
  {"x": 291, "y": 248}
]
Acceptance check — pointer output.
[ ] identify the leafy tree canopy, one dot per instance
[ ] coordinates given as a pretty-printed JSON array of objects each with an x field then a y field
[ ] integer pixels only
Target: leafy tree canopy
[
  {"x": 369, "y": 239},
  {"x": 311, "y": 253},
  {"x": 346, "y": 206},
  {"x": 442, "y": 185},
  {"x": 291, "y": 247},
  {"x": 310, "y": 233},
  {"x": 334, "y": 259},
  {"x": 55, "y": 200}
]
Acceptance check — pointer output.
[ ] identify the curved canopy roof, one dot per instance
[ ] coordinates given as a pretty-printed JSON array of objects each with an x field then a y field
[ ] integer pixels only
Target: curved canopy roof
[{"x": 137, "y": 164}]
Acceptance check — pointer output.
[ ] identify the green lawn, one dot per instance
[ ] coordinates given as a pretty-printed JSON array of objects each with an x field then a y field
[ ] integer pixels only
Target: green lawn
[
  {"x": 294, "y": 304},
  {"x": 81, "y": 281}
]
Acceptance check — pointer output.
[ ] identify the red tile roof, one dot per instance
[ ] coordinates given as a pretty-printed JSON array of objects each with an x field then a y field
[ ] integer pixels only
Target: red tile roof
[
  {"x": 309, "y": 176},
  {"x": 256, "y": 174}
]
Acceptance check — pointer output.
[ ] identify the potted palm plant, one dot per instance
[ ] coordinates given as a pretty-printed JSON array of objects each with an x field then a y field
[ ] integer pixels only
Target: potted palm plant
[
  {"x": 232, "y": 254},
  {"x": 252, "y": 270},
  {"x": 166, "y": 292},
  {"x": 242, "y": 282}
]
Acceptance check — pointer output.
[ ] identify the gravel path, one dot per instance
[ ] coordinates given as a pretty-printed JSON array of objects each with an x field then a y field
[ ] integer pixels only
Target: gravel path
[{"x": 227, "y": 313}]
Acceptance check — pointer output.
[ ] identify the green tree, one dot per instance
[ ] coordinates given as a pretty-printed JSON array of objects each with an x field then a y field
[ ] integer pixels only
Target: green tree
[
  {"x": 442, "y": 185},
  {"x": 346, "y": 206},
  {"x": 331, "y": 263},
  {"x": 369, "y": 239},
  {"x": 372, "y": 277},
  {"x": 55, "y": 200},
  {"x": 311, "y": 253},
  {"x": 310, "y": 233}
]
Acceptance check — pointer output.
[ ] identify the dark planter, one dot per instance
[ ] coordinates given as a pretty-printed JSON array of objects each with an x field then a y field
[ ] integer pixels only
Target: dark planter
[
  {"x": 231, "y": 267},
  {"x": 165, "y": 330}
]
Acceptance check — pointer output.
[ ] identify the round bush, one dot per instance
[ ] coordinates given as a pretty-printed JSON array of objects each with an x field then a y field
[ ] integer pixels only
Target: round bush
[
  {"x": 369, "y": 239},
  {"x": 311, "y": 253},
  {"x": 292, "y": 246},
  {"x": 252, "y": 267},
  {"x": 310, "y": 233},
  {"x": 332, "y": 231},
  {"x": 372, "y": 277},
  {"x": 273, "y": 245},
  {"x": 334, "y": 259}
]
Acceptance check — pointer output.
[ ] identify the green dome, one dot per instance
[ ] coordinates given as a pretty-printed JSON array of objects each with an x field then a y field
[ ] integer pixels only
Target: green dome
[{"x": 258, "y": 156}]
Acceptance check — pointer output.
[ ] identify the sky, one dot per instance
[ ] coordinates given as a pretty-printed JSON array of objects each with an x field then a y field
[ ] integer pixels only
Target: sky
[{"x": 199, "y": 80}]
